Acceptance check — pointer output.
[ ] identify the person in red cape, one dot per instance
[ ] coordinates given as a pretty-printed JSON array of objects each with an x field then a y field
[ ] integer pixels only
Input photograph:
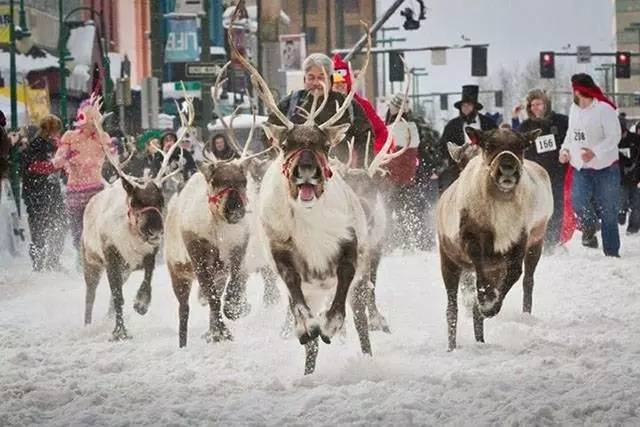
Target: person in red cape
[
  {"x": 591, "y": 148},
  {"x": 341, "y": 82}
]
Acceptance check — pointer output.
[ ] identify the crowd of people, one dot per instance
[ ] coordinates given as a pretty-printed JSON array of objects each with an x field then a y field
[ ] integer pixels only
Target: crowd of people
[{"x": 592, "y": 157}]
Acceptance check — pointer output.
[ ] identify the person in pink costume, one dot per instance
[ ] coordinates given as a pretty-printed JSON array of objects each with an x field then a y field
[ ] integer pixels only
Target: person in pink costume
[{"x": 81, "y": 155}]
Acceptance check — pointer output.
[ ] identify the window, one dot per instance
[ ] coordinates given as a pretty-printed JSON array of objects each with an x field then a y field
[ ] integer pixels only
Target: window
[
  {"x": 311, "y": 35},
  {"x": 351, "y": 6},
  {"x": 312, "y": 6}
]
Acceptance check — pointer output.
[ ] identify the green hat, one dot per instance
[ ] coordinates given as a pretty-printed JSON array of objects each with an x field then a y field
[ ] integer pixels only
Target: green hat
[{"x": 143, "y": 140}]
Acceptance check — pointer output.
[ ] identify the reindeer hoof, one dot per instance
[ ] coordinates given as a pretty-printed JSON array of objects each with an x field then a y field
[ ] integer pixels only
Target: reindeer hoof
[
  {"x": 234, "y": 310},
  {"x": 141, "y": 307},
  {"x": 310, "y": 335},
  {"x": 120, "y": 334},
  {"x": 379, "y": 323},
  {"x": 217, "y": 335},
  {"x": 330, "y": 324}
]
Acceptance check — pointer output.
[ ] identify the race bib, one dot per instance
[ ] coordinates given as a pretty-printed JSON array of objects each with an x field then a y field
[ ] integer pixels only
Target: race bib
[
  {"x": 545, "y": 143},
  {"x": 579, "y": 136}
]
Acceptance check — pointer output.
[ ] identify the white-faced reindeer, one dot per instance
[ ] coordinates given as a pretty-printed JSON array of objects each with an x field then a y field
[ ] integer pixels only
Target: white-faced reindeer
[
  {"x": 207, "y": 232},
  {"x": 123, "y": 227},
  {"x": 315, "y": 226},
  {"x": 491, "y": 221}
]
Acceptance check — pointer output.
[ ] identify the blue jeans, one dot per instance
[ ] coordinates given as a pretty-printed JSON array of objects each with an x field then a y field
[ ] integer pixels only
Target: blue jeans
[{"x": 603, "y": 187}]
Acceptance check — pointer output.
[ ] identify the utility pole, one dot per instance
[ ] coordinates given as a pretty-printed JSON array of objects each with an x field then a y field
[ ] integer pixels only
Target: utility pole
[
  {"x": 62, "y": 57},
  {"x": 205, "y": 56},
  {"x": 12, "y": 68},
  {"x": 157, "y": 39}
]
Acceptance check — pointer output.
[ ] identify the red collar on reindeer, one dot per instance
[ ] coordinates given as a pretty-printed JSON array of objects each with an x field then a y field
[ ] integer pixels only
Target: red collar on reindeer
[
  {"x": 217, "y": 197},
  {"x": 322, "y": 161}
]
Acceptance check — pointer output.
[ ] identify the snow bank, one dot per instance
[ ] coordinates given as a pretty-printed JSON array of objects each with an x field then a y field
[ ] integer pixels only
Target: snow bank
[{"x": 573, "y": 362}]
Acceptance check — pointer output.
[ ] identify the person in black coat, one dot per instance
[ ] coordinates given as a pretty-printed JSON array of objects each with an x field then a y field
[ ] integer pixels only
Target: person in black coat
[
  {"x": 43, "y": 197},
  {"x": 180, "y": 158},
  {"x": 469, "y": 108},
  {"x": 629, "y": 149},
  {"x": 545, "y": 152}
]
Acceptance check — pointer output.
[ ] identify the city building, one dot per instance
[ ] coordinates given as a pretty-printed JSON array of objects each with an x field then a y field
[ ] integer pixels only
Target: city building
[{"x": 627, "y": 24}]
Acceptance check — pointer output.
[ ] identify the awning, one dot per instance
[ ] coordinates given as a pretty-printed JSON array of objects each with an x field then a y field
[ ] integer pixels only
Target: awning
[{"x": 26, "y": 63}]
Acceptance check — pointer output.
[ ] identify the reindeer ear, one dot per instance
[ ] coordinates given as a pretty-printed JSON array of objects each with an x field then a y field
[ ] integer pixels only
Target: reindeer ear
[
  {"x": 274, "y": 132},
  {"x": 128, "y": 187},
  {"x": 207, "y": 170},
  {"x": 475, "y": 135},
  {"x": 455, "y": 151},
  {"x": 531, "y": 136},
  {"x": 337, "y": 133}
]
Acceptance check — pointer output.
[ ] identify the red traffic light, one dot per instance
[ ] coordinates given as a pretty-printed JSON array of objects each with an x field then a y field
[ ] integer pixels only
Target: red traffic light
[
  {"x": 623, "y": 58},
  {"x": 547, "y": 58}
]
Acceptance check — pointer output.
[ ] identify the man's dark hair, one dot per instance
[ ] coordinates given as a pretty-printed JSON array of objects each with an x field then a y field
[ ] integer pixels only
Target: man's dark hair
[{"x": 583, "y": 79}]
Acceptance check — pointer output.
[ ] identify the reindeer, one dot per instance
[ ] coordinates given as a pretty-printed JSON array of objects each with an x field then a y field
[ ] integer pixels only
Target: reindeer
[
  {"x": 123, "y": 227},
  {"x": 315, "y": 227},
  {"x": 491, "y": 220},
  {"x": 207, "y": 232}
]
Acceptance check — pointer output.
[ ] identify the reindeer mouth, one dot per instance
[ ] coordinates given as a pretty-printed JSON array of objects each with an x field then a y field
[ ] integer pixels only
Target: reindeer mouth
[{"x": 306, "y": 192}]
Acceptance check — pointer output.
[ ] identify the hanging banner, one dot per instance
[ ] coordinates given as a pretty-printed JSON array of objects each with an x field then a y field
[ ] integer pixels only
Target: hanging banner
[
  {"x": 293, "y": 50},
  {"x": 38, "y": 105},
  {"x": 182, "y": 39},
  {"x": 5, "y": 19}
]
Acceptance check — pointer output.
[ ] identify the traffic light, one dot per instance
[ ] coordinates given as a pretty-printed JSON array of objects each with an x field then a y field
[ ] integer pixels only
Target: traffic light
[
  {"x": 547, "y": 65},
  {"x": 623, "y": 65},
  {"x": 478, "y": 61},
  {"x": 444, "y": 102},
  {"x": 396, "y": 66},
  {"x": 498, "y": 98}
]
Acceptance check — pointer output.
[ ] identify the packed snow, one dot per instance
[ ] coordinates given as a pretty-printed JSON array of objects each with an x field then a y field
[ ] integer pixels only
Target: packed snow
[{"x": 575, "y": 361}]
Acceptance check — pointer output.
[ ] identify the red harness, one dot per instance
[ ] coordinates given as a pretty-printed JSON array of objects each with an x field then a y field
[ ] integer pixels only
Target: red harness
[
  {"x": 215, "y": 199},
  {"x": 322, "y": 161}
]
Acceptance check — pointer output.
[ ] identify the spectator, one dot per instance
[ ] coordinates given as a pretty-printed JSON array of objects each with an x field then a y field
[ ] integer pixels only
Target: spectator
[
  {"x": 591, "y": 147},
  {"x": 629, "y": 149},
  {"x": 43, "y": 196},
  {"x": 220, "y": 148}
]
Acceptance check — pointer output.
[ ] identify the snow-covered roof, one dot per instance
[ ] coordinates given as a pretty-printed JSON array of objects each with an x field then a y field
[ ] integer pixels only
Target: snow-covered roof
[
  {"x": 242, "y": 121},
  {"x": 252, "y": 11},
  {"x": 25, "y": 64}
]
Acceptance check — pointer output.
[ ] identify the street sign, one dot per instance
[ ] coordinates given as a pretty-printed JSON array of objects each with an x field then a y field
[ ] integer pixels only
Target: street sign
[
  {"x": 202, "y": 70},
  {"x": 583, "y": 53}
]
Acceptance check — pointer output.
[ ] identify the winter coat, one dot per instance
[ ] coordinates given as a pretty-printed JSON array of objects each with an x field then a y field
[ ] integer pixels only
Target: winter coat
[
  {"x": 180, "y": 158},
  {"x": 226, "y": 154},
  {"x": 5, "y": 148},
  {"x": 40, "y": 182},
  {"x": 447, "y": 169},
  {"x": 630, "y": 166},
  {"x": 360, "y": 129},
  {"x": 557, "y": 125}
]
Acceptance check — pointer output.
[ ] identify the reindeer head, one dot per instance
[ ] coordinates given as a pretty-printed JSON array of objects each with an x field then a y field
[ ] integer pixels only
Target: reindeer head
[
  {"x": 304, "y": 147},
  {"x": 144, "y": 210},
  {"x": 502, "y": 154}
]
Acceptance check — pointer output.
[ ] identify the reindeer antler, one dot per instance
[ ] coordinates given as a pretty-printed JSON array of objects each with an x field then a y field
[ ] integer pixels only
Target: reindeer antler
[
  {"x": 347, "y": 101},
  {"x": 383, "y": 157}
]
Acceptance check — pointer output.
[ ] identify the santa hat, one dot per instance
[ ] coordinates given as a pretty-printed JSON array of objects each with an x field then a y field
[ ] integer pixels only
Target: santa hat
[{"x": 341, "y": 71}]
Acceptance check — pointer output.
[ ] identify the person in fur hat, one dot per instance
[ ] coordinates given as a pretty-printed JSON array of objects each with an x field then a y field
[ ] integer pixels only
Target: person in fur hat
[
  {"x": 545, "y": 153},
  {"x": 469, "y": 109}
]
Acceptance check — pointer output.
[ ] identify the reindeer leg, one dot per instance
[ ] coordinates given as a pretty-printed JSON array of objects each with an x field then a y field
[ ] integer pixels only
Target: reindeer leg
[
  {"x": 451, "y": 276},
  {"x": 287, "y": 326},
  {"x": 333, "y": 319},
  {"x": 306, "y": 326},
  {"x": 311, "y": 355},
  {"x": 530, "y": 263},
  {"x": 235, "y": 299},
  {"x": 181, "y": 278},
  {"x": 92, "y": 273},
  {"x": 143, "y": 296},
  {"x": 478, "y": 324},
  {"x": 271, "y": 292},
  {"x": 116, "y": 271},
  {"x": 359, "y": 307},
  {"x": 377, "y": 321}
]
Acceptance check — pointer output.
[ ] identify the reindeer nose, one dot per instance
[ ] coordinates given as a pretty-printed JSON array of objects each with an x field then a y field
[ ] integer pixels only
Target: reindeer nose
[
  {"x": 508, "y": 166},
  {"x": 307, "y": 166}
]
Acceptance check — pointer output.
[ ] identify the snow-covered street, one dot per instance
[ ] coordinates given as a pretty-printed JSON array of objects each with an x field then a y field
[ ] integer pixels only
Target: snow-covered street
[{"x": 576, "y": 361}]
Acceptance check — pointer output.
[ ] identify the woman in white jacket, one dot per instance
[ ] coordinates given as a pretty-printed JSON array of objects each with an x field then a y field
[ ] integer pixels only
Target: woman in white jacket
[{"x": 591, "y": 147}]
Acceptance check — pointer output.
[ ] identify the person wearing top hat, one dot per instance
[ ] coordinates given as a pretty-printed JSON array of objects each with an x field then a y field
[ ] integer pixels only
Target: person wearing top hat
[{"x": 469, "y": 108}]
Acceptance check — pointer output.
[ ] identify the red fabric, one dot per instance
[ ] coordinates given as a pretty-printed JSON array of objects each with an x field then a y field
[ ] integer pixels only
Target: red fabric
[
  {"x": 569, "y": 223},
  {"x": 377, "y": 124},
  {"x": 41, "y": 167},
  {"x": 402, "y": 169},
  {"x": 342, "y": 66},
  {"x": 593, "y": 92}
]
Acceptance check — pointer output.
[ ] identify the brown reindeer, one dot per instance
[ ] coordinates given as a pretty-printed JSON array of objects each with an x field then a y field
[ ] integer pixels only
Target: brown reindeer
[{"x": 492, "y": 220}]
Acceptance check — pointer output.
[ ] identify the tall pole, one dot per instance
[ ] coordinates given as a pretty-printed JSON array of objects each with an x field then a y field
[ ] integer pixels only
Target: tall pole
[
  {"x": 12, "y": 68},
  {"x": 157, "y": 41},
  {"x": 205, "y": 56},
  {"x": 61, "y": 60},
  {"x": 378, "y": 24}
]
